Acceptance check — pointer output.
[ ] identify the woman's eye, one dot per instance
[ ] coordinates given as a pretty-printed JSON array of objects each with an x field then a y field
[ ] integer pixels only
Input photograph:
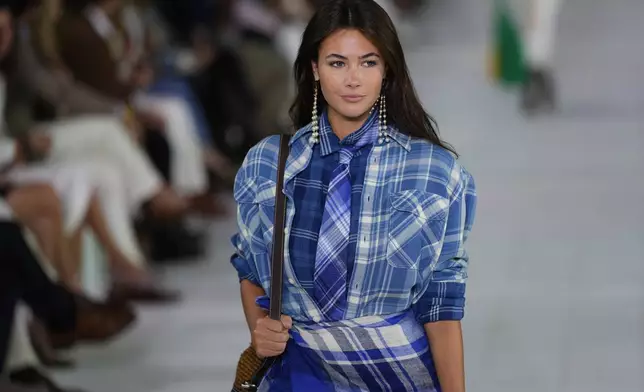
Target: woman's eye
[
  {"x": 370, "y": 63},
  {"x": 337, "y": 64}
]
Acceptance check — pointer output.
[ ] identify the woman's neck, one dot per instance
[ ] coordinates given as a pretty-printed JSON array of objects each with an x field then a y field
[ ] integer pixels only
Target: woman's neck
[{"x": 344, "y": 126}]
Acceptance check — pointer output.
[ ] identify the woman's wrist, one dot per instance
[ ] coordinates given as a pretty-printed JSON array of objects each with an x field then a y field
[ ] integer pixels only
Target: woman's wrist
[{"x": 249, "y": 293}]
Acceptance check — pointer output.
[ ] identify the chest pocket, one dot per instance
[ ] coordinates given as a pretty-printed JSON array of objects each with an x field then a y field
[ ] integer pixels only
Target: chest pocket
[
  {"x": 418, "y": 219},
  {"x": 256, "y": 200}
]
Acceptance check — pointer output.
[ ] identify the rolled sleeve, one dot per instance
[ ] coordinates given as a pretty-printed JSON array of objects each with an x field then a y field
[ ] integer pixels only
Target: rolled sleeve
[
  {"x": 444, "y": 292},
  {"x": 240, "y": 261},
  {"x": 250, "y": 258},
  {"x": 242, "y": 258}
]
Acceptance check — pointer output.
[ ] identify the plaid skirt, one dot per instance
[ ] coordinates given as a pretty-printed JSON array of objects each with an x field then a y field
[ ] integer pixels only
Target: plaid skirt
[{"x": 375, "y": 353}]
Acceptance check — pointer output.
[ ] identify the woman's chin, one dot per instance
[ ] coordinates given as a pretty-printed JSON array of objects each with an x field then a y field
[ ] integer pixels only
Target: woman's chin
[{"x": 355, "y": 114}]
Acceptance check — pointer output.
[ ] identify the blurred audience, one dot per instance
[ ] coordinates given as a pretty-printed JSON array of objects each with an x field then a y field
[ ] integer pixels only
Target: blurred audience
[
  {"x": 66, "y": 317},
  {"x": 98, "y": 52},
  {"x": 98, "y": 174}
]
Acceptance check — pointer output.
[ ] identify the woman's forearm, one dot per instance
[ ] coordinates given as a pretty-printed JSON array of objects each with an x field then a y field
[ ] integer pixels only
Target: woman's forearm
[
  {"x": 446, "y": 342},
  {"x": 249, "y": 293}
]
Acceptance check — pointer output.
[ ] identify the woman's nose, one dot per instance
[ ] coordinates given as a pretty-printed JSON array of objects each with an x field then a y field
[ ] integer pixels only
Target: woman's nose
[{"x": 353, "y": 77}]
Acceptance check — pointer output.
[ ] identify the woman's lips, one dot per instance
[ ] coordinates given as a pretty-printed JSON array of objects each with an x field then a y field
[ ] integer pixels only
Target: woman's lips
[{"x": 352, "y": 98}]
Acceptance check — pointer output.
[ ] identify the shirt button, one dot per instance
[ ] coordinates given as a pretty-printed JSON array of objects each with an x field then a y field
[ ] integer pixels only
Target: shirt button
[{"x": 316, "y": 319}]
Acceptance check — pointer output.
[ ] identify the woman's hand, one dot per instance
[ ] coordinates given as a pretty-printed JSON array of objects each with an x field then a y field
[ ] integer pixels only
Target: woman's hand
[{"x": 269, "y": 337}]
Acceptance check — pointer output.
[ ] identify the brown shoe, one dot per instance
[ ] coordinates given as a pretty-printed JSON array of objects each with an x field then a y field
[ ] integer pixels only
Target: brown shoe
[
  {"x": 143, "y": 293},
  {"x": 209, "y": 206},
  {"x": 7, "y": 386},
  {"x": 43, "y": 348},
  {"x": 95, "y": 323},
  {"x": 31, "y": 377}
]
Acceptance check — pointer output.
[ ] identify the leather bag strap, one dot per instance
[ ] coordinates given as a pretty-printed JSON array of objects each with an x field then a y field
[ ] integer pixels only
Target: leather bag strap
[{"x": 277, "y": 267}]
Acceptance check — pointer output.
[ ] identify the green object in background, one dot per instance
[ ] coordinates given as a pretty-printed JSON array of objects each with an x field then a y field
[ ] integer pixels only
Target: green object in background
[{"x": 507, "y": 57}]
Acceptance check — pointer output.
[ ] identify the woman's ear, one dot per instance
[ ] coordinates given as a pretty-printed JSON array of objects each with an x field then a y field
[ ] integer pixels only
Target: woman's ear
[{"x": 316, "y": 74}]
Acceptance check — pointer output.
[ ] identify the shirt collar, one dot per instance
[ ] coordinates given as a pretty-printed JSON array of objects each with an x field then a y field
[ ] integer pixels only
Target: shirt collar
[
  {"x": 400, "y": 138},
  {"x": 330, "y": 142}
]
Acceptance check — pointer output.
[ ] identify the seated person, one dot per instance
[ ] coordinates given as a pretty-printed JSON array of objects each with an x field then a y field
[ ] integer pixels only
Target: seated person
[
  {"x": 98, "y": 133},
  {"x": 92, "y": 47},
  {"x": 68, "y": 318},
  {"x": 91, "y": 192}
]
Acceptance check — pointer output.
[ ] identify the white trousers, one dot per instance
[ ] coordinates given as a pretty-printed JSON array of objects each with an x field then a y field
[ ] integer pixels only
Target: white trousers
[
  {"x": 187, "y": 166},
  {"x": 104, "y": 138},
  {"x": 76, "y": 183},
  {"x": 72, "y": 184},
  {"x": 541, "y": 32},
  {"x": 93, "y": 155}
]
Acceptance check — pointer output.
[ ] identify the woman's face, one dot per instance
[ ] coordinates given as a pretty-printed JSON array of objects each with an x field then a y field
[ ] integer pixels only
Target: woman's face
[{"x": 350, "y": 70}]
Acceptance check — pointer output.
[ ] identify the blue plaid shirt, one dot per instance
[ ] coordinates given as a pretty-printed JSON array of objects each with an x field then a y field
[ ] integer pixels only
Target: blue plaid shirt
[
  {"x": 311, "y": 188},
  {"x": 412, "y": 210}
]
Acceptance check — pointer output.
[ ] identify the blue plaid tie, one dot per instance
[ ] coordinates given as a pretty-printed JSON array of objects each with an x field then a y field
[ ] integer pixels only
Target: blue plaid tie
[{"x": 330, "y": 276}]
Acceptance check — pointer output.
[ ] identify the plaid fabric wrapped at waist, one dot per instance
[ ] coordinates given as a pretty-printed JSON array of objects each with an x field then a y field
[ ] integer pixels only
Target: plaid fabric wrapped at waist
[{"x": 375, "y": 353}]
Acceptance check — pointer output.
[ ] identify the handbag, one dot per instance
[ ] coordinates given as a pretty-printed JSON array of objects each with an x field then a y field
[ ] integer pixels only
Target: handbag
[{"x": 251, "y": 369}]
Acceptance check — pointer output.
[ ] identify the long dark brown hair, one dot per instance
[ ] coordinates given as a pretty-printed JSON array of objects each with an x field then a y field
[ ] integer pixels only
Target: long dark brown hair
[{"x": 404, "y": 109}]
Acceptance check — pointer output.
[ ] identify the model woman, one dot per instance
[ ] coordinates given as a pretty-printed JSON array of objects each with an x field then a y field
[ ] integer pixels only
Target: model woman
[{"x": 378, "y": 212}]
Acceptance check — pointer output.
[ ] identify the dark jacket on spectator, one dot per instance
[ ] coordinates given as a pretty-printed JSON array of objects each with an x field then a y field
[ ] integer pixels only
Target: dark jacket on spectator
[{"x": 88, "y": 57}]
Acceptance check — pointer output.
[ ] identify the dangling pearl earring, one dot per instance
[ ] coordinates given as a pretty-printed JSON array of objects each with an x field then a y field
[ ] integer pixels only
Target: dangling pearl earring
[
  {"x": 383, "y": 136},
  {"x": 315, "y": 125}
]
